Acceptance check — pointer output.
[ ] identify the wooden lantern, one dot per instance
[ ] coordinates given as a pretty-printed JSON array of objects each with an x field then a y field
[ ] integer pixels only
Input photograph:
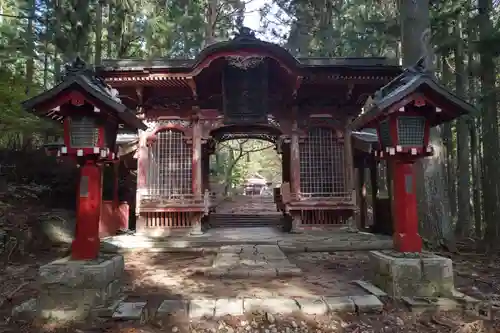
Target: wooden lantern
[
  {"x": 88, "y": 132},
  {"x": 405, "y": 134},
  {"x": 403, "y": 112}
]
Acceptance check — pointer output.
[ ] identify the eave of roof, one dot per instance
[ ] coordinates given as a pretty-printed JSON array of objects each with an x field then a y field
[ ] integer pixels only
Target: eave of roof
[
  {"x": 83, "y": 82},
  {"x": 406, "y": 84},
  {"x": 187, "y": 65}
]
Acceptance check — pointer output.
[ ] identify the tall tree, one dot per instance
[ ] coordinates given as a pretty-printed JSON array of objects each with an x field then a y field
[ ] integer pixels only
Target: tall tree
[
  {"x": 491, "y": 177},
  {"x": 434, "y": 208},
  {"x": 463, "y": 225}
]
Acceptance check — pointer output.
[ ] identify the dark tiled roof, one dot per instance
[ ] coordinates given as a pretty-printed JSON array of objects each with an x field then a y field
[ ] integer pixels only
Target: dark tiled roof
[
  {"x": 412, "y": 80},
  {"x": 78, "y": 76}
]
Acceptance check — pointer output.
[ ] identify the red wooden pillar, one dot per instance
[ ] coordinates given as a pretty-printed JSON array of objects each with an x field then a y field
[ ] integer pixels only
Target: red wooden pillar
[
  {"x": 406, "y": 236},
  {"x": 89, "y": 200},
  {"x": 142, "y": 165},
  {"x": 196, "y": 163},
  {"x": 295, "y": 163},
  {"x": 196, "y": 175}
]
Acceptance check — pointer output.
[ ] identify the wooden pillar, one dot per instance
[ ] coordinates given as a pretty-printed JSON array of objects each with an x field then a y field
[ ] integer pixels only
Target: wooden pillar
[
  {"x": 406, "y": 237},
  {"x": 295, "y": 176},
  {"x": 86, "y": 244},
  {"x": 374, "y": 187},
  {"x": 197, "y": 174},
  {"x": 142, "y": 168},
  {"x": 295, "y": 162},
  {"x": 206, "y": 170},
  {"x": 116, "y": 194},
  {"x": 196, "y": 162},
  {"x": 361, "y": 200},
  {"x": 349, "y": 163},
  {"x": 359, "y": 184}
]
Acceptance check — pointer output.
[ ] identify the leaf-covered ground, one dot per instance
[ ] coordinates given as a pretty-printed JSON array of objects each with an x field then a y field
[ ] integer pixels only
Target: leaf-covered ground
[{"x": 26, "y": 245}]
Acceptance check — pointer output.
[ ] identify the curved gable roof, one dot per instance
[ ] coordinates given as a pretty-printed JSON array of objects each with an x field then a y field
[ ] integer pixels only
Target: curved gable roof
[{"x": 245, "y": 40}]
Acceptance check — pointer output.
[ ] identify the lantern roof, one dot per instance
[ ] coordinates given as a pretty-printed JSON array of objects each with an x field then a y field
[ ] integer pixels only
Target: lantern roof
[
  {"x": 415, "y": 80},
  {"x": 79, "y": 77}
]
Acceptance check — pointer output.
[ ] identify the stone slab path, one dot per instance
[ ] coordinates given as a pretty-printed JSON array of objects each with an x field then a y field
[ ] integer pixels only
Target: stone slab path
[
  {"x": 197, "y": 309},
  {"x": 242, "y": 261},
  {"x": 309, "y": 241}
]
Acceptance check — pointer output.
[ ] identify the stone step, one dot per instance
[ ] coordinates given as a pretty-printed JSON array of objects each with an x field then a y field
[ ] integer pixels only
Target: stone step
[
  {"x": 208, "y": 308},
  {"x": 244, "y": 220}
]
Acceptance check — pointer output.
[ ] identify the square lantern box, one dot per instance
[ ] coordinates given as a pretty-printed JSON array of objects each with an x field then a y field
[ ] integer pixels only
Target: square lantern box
[
  {"x": 88, "y": 133},
  {"x": 405, "y": 133}
]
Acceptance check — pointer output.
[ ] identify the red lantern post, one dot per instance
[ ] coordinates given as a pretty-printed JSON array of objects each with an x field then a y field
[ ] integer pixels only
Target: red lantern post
[
  {"x": 91, "y": 116},
  {"x": 403, "y": 113}
]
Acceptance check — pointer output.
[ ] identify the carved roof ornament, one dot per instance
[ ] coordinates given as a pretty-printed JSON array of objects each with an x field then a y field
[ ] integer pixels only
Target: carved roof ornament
[
  {"x": 79, "y": 67},
  {"x": 75, "y": 68},
  {"x": 244, "y": 62},
  {"x": 245, "y": 34}
]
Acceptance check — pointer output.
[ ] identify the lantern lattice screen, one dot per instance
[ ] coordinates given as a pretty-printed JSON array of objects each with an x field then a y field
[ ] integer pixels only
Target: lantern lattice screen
[
  {"x": 411, "y": 131},
  {"x": 385, "y": 135},
  {"x": 83, "y": 132},
  {"x": 322, "y": 170},
  {"x": 170, "y": 166}
]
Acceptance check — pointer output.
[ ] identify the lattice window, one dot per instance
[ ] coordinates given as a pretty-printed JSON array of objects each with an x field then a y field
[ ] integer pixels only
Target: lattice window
[
  {"x": 170, "y": 166},
  {"x": 411, "y": 131},
  {"x": 322, "y": 171},
  {"x": 84, "y": 132}
]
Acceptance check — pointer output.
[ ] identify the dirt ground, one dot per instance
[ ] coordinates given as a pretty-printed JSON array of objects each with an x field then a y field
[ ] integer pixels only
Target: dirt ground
[{"x": 160, "y": 276}]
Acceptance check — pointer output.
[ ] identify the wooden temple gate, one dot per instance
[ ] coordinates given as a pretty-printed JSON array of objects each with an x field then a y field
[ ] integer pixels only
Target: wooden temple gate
[{"x": 245, "y": 88}]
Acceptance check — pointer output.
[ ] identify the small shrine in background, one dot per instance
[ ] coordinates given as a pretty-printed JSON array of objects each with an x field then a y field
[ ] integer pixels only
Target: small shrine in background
[{"x": 255, "y": 184}]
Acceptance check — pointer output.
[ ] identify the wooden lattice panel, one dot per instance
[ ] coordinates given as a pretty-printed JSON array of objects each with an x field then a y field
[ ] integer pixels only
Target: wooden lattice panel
[
  {"x": 170, "y": 166},
  {"x": 322, "y": 165},
  {"x": 168, "y": 220},
  {"x": 325, "y": 217},
  {"x": 84, "y": 132}
]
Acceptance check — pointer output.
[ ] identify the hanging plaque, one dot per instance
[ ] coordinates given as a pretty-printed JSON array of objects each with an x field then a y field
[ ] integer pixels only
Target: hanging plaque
[{"x": 245, "y": 90}]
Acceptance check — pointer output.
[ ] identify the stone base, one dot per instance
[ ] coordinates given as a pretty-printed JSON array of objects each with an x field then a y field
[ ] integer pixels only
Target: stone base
[
  {"x": 412, "y": 275},
  {"x": 70, "y": 289}
]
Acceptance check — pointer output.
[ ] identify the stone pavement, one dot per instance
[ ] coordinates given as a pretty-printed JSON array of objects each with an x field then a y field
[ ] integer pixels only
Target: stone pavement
[
  {"x": 241, "y": 261},
  {"x": 338, "y": 239},
  {"x": 208, "y": 308}
]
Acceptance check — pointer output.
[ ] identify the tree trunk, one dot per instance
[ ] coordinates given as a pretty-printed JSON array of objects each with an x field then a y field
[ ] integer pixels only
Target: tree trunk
[
  {"x": 211, "y": 21},
  {"x": 109, "y": 37},
  {"x": 463, "y": 226},
  {"x": 448, "y": 143},
  {"x": 489, "y": 127},
  {"x": 474, "y": 143},
  {"x": 30, "y": 37},
  {"x": 98, "y": 34},
  {"x": 434, "y": 206}
]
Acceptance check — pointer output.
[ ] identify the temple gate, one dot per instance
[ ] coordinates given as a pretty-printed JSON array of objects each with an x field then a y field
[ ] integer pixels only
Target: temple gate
[{"x": 245, "y": 88}]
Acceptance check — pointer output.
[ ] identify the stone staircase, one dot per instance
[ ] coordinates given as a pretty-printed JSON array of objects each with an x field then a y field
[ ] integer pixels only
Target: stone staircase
[
  {"x": 247, "y": 205},
  {"x": 241, "y": 211},
  {"x": 243, "y": 220}
]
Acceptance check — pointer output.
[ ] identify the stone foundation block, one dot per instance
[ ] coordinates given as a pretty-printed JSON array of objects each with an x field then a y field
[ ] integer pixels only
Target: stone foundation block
[
  {"x": 70, "y": 289},
  {"x": 415, "y": 275}
]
